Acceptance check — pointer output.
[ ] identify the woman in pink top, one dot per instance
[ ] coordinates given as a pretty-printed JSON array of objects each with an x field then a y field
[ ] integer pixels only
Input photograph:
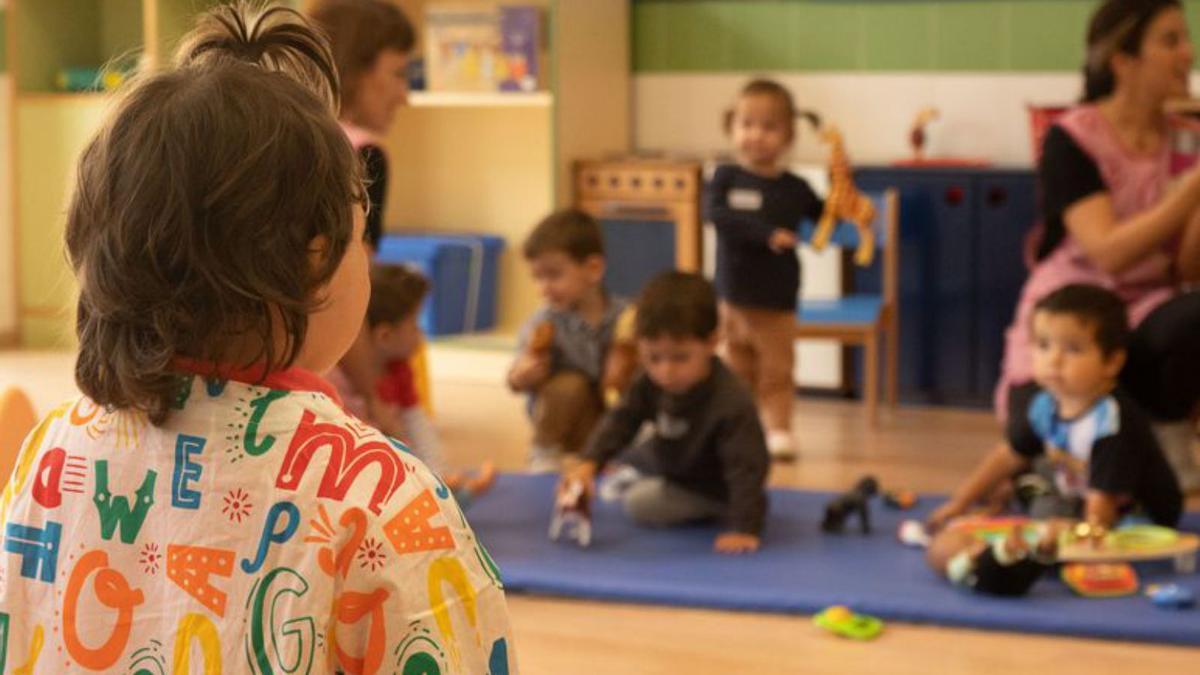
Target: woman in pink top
[
  {"x": 1119, "y": 215},
  {"x": 371, "y": 40}
]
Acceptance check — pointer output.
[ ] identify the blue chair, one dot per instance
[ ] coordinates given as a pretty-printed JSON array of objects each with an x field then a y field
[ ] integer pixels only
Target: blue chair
[{"x": 863, "y": 319}]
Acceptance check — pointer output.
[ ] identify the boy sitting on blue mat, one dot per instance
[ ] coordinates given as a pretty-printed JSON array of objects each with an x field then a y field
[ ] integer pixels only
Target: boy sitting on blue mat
[
  {"x": 707, "y": 458},
  {"x": 1089, "y": 442}
]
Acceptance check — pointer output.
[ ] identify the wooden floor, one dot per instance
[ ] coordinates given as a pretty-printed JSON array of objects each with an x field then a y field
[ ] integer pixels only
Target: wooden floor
[{"x": 924, "y": 449}]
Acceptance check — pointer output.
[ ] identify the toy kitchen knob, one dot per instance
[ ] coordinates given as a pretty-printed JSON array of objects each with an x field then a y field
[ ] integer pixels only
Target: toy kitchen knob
[{"x": 954, "y": 195}]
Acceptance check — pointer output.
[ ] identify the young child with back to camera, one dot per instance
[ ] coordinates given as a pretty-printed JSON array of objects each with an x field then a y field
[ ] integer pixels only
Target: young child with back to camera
[
  {"x": 756, "y": 206},
  {"x": 207, "y": 488},
  {"x": 707, "y": 459},
  {"x": 1086, "y": 450},
  {"x": 392, "y": 335},
  {"x": 564, "y": 347}
]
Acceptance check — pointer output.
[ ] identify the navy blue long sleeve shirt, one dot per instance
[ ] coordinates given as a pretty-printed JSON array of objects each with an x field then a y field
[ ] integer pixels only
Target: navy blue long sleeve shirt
[{"x": 746, "y": 208}]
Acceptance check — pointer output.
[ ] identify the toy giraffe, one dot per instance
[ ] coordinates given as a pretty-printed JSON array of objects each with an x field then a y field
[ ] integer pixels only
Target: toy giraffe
[{"x": 844, "y": 202}]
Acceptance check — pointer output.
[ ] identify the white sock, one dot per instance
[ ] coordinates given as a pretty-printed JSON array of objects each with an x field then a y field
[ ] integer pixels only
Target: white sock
[
  {"x": 780, "y": 443},
  {"x": 614, "y": 485},
  {"x": 544, "y": 459}
]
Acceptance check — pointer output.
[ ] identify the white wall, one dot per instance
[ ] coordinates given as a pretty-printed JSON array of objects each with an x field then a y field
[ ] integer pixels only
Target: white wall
[{"x": 982, "y": 114}]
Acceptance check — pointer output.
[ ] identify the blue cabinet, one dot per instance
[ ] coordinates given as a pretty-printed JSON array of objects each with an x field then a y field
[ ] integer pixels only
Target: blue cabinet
[
  {"x": 636, "y": 251},
  {"x": 961, "y": 270}
]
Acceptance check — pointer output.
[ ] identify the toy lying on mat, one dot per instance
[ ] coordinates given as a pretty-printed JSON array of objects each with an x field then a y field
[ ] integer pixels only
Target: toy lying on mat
[
  {"x": 1006, "y": 555},
  {"x": 1171, "y": 596},
  {"x": 572, "y": 512},
  {"x": 1134, "y": 543},
  {"x": 856, "y": 500},
  {"x": 1100, "y": 580}
]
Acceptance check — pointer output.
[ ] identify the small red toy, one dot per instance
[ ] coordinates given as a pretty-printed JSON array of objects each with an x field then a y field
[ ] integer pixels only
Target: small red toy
[
  {"x": 1100, "y": 580},
  {"x": 901, "y": 500}
]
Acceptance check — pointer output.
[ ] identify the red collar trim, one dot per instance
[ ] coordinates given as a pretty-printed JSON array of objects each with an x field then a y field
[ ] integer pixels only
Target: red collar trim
[{"x": 289, "y": 379}]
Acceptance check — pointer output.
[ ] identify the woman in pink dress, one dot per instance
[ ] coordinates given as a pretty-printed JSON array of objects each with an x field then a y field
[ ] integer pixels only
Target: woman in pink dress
[
  {"x": 1119, "y": 213},
  {"x": 371, "y": 41}
]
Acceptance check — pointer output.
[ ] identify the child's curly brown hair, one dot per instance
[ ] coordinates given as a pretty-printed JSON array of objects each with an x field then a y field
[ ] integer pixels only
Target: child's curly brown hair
[{"x": 198, "y": 202}]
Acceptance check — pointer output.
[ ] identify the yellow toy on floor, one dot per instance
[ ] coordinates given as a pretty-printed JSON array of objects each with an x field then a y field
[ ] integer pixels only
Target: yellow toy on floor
[{"x": 844, "y": 201}]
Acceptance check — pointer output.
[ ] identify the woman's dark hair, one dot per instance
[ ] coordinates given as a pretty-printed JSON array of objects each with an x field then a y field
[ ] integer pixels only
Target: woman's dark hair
[
  {"x": 358, "y": 30},
  {"x": 1118, "y": 26},
  {"x": 197, "y": 203}
]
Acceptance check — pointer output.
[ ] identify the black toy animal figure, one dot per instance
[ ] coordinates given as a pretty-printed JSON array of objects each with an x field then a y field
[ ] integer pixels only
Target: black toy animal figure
[{"x": 847, "y": 503}]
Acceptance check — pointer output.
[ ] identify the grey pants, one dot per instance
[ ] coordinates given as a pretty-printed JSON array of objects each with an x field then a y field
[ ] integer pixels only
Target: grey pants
[{"x": 657, "y": 502}]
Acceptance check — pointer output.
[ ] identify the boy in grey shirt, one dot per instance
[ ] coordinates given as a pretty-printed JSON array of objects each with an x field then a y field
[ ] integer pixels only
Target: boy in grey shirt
[
  {"x": 563, "y": 373},
  {"x": 708, "y": 457}
]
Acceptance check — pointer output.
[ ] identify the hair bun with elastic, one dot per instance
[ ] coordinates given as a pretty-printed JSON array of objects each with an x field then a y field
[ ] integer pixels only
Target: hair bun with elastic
[{"x": 276, "y": 39}]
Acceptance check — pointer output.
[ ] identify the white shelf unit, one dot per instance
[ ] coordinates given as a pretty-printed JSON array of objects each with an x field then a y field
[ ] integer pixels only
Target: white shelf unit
[
  {"x": 496, "y": 163},
  {"x": 483, "y": 99}
]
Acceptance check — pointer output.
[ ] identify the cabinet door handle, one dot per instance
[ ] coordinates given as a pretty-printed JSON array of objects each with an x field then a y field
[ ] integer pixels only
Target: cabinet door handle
[
  {"x": 954, "y": 195},
  {"x": 997, "y": 197}
]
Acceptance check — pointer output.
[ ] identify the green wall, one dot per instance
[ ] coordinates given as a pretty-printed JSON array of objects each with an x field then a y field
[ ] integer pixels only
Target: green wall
[{"x": 871, "y": 35}]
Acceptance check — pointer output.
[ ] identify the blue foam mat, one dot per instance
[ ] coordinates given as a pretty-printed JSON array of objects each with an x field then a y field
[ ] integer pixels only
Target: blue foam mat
[{"x": 799, "y": 570}]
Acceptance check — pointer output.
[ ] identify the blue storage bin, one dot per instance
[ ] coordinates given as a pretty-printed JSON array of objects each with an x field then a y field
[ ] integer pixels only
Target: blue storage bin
[{"x": 462, "y": 270}]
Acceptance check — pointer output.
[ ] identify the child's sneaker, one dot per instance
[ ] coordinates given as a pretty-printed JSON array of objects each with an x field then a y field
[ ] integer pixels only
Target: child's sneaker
[
  {"x": 613, "y": 486},
  {"x": 544, "y": 459},
  {"x": 780, "y": 444}
]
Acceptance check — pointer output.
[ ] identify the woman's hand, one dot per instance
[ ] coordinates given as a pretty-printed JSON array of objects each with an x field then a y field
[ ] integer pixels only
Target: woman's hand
[{"x": 1114, "y": 245}]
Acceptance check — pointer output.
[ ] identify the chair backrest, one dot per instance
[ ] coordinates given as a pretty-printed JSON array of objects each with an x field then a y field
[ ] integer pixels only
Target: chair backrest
[
  {"x": 887, "y": 234},
  {"x": 17, "y": 419}
]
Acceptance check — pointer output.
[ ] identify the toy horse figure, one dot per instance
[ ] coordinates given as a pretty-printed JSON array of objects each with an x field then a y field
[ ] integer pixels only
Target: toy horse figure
[
  {"x": 857, "y": 500},
  {"x": 844, "y": 202},
  {"x": 572, "y": 512}
]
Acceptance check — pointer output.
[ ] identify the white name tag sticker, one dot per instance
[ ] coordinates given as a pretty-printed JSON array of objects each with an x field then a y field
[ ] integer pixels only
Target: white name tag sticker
[{"x": 744, "y": 199}]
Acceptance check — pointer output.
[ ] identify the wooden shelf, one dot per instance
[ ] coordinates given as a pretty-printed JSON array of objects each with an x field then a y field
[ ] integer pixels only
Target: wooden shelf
[
  {"x": 479, "y": 99},
  {"x": 47, "y": 36}
]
